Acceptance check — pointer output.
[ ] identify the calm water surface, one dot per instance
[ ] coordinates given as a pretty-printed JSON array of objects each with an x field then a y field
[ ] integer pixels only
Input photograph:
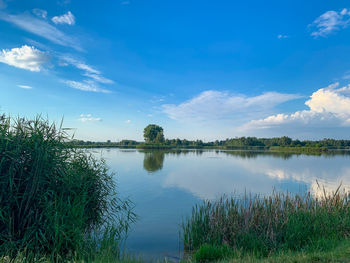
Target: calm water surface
[{"x": 165, "y": 185}]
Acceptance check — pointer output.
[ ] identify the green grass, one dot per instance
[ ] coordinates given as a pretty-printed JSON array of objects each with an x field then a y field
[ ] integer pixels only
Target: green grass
[
  {"x": 56, "y": 201},
  {"x": 264, "y": 225},
  {"x": 339, "y": 253},
  {"x": 302, "y": 149}
]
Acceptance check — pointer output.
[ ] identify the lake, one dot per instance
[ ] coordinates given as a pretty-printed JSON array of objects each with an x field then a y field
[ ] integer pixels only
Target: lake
[{"x": 164, "y": 185}]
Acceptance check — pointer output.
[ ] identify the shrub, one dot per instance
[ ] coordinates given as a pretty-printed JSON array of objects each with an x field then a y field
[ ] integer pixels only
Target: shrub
[{"x": 54, "y": 199}]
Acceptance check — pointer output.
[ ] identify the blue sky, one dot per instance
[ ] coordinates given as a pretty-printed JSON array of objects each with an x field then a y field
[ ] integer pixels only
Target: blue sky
[{"x": 207, "y": 70}]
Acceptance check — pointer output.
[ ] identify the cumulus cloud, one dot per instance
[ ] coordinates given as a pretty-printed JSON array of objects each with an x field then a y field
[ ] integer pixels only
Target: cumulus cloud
[
  {"x": 24, "y": 86},
  {"x": 40, "y": 13},
  {"x": 25, "y": 57},
  {"x": 329, "y": 22},
  {"x": 41, "y": 28},
  {"x": 85, "y": 86},
  {"x": 67, "y": 18},
  {"x": 88, "y": 118},
  {"x": 328, "y": 107},
  {"x": 213, "y": 105}
]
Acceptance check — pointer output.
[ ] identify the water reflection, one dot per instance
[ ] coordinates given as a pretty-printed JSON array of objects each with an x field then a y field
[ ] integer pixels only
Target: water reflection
[
  {"x": 153, "y": 161},
  {"x": 260, "y": 172},
  {"x": 185, "y": 177}
]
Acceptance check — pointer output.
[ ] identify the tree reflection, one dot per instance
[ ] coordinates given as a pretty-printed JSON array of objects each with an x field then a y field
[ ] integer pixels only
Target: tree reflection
[{"x": 153, "y": 161}]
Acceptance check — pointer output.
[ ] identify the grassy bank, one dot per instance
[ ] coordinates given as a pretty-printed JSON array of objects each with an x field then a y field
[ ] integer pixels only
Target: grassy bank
[
  {"x": 56, "y": 202},
  {"x": 282, "y": 149},
  {"x": 337, "y": 253},
  {"x": 263, "y": 226},
  {"x": 306, "y": 150}
]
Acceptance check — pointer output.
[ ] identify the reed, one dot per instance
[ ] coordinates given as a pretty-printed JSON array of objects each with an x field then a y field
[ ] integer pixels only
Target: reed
[
  {"x": 262, "y": 225},
  {"x": 56, "y": 201}
]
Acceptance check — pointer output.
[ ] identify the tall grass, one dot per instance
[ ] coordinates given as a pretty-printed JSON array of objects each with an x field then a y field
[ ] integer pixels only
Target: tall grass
[
  {"x": 55, "y": 200},
  {"x": 262, "y": 225}
]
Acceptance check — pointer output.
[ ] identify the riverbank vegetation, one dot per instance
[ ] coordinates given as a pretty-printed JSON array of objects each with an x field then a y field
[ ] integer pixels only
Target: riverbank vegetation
[
  {"x": 59, "y": 204},
  {"x": 154, "y": 139},
  {"x": 260, "y": 227},
  {"x": 56, "y": 202}
]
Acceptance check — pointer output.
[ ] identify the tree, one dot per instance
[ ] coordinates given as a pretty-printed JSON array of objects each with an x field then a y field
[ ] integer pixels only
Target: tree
[
  {"x": 153, "y": 134},
  {"x": 159, "y": 138}
]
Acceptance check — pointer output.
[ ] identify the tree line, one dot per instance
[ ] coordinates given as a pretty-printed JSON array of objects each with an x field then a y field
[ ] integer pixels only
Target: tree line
[{"x": 154, "y": 135}]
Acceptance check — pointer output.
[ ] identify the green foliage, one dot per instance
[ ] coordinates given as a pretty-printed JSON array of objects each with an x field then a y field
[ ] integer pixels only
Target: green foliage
[
  {"x": 338, "y": 253},
  {"x": 153, "y": 161},
  {"x": 209, "y": 253},
  {"x": 55, "y": 200},
  {"x": 281, "y": 144},
  {"x": 153, "y": 134},
  {"x": 263, "y": 225}
]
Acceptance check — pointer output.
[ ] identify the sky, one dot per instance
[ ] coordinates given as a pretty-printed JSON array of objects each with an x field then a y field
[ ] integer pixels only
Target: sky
[{"x": 200, "y": 69}]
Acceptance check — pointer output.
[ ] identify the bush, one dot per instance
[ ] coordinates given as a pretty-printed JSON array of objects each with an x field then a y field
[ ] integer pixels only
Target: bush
[{"x": 54, "y": 199}]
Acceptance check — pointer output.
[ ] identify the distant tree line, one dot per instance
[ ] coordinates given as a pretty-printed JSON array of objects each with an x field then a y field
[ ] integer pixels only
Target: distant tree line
[
  {"x": 241, "y": 142},
  {"x": 154, "y": 138}
]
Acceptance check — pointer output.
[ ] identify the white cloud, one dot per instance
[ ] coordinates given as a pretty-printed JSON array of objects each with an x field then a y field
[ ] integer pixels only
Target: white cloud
[
  {"x": 79, "y": 64},
  {"x": 67, "y": 18},
  {"x": 24, "y": 86},
  {"x": 98, "y": 78},
  {"x": 328, "y": 108},
  {"x": 89, "y": 71},
  {"x": 213, "y": 105},
  {"x": 347, "y": 75},
  {"x": 63, "y": 2},
  {"x": 329, "y": 22},
  {"x": 88, "y": 118},
  {"x": 282, "y": 36},
  {"x": 40, "y": 13},
  {"x": 85, "y": 86},
  {"x": 41, "y": 28},
  {"x": 25, "y": 57},
  {"x": 128, "y": 121}
]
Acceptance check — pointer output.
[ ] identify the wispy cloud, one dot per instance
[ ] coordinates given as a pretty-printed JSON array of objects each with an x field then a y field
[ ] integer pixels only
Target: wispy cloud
[
  {"x": 67, "y": 18},
  {"x": 282, "y": 36},
  {"x": 85, "y": 86},
  {"x": 2, "y": 4},
  {"x": 41, "y": 28},
  {"x": 24, "y": 86},
  {"x": 40, "y": 13},
  {"x": 128, "y": 121},
  {"x": 79, "y": 64},
  {"x": 330, "y": 22},
  {"x": 347, "y": 75},
  {"x": 63, "y": 2},
  {"x": 328, "y": 107},
  {"x": 25, "y": 57},
  {"x": 98, "y": 78},
  {"x": 88, "y": 71},
  {"x": 88, "y": 118},
  {"x": 214, "y": 105}
]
